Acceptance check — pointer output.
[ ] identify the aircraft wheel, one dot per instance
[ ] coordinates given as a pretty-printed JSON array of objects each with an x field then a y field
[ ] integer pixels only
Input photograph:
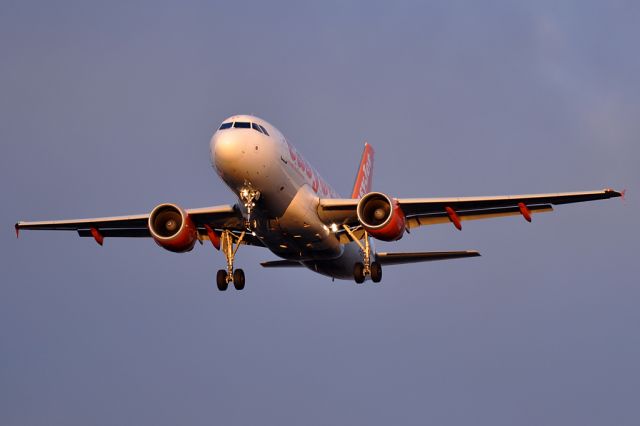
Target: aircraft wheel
[
  {"x": 358, "y": 273},
  {"x": 238, "y": 279},
  {"x": 376, "y": 272},
  {"x": 221, "y": 280}
]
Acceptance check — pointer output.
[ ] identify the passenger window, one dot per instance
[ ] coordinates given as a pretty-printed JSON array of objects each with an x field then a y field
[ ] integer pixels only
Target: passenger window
[
  {"x": 242, "y": 125},
  {"x": 225, "y": 126},
  {"x": 254, "y": 126},
  {"x": 264, "y": 130}
]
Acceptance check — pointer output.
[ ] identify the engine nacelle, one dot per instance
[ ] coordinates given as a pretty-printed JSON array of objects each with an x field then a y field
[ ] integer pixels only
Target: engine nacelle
[
  {"x": 381, "y": 216},
  {"x": 172, "y": 228}
]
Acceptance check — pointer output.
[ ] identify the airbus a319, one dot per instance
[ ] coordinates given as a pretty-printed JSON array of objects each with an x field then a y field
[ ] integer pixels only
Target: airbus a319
[{"x": 284, "y": 205}]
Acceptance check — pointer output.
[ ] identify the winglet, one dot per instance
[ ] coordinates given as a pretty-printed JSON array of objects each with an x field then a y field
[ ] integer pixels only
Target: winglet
[
  {"x": 364, "y": 177},
  {"x": 610, "y": 192},
  {"x": 17, "y": 226},
  {"x": 623, "y": 194}
]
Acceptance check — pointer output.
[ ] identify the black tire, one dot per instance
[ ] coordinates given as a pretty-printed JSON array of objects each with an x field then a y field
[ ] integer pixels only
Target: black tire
[
  {"x": 376, "y": 272},
  {"x": 358, "y": 273},
  {"x": 221, "y": 280},
  {"x": 238, "y": 279}
]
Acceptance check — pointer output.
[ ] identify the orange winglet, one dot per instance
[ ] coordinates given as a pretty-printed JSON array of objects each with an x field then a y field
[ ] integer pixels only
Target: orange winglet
[
  {"x": 453, "y": 217},
  {"x": 97, "y": 235},
  {"x": 213, "y": 237},
  {"x": 524, "y": 211}
]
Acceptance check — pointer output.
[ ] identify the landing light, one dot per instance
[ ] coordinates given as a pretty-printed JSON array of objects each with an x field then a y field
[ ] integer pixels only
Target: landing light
[{"x": 334, "y": 227}]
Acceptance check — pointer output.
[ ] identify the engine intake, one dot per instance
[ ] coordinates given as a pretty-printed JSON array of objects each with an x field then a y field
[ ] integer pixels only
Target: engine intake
[
  {"x": 172, "y": 228},
  {"x": 381, "y": 216}
]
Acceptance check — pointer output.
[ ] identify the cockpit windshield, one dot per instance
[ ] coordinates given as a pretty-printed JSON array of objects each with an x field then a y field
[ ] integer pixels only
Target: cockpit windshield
[{"x": 244, "y": 125}]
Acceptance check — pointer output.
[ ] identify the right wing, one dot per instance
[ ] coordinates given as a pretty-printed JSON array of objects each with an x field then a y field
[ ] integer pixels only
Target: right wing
[
  {"x": 136, "y": 226},
  {"x": 431, "y": 211}
]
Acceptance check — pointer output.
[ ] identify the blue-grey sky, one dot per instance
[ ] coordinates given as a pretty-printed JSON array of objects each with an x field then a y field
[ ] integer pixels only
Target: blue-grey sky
[{"x": 107, "y": 108}]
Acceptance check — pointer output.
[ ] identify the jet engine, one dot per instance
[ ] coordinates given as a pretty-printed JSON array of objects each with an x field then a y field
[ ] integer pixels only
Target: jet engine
[
  {"x": 381, "y": 216},
  {"x": 172, "y": 228}
]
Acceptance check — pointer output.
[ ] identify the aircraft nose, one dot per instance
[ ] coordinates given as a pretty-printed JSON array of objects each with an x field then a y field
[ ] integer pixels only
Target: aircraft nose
[{"x": 227, "y": 149}]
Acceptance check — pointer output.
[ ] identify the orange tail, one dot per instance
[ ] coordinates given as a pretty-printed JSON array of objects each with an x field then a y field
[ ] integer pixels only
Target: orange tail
[{"x": 364, "y": 178}]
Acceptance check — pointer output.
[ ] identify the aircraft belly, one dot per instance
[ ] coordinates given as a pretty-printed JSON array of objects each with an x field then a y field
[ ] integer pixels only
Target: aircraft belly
[
  {"x": 341, "y": 267},
  {"x": 298, "y": 233}
]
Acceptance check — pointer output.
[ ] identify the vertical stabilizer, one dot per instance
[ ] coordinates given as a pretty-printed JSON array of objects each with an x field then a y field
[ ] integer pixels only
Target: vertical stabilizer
[{"x": 364, "y": 178}]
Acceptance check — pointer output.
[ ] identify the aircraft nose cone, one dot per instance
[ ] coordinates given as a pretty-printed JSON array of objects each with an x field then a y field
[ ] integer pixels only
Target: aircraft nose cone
[{"x": 227, "y": 149}]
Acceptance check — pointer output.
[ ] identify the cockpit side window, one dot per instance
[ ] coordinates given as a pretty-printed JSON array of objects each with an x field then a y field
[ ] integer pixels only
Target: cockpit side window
[
  {"x": 254, "y": 126},
  {"x": 225, "y": 125},
  {"x": 242, "y": 125},
  {"x": 264, "y": 130}
]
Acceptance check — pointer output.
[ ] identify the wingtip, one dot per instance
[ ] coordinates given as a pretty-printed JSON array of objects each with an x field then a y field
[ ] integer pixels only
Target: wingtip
[
  {"x": 17, "y": 227},
  {"x": 613, "y": 193}
]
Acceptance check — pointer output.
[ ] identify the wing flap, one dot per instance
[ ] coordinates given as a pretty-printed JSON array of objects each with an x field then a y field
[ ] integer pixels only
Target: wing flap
[
  {"x": 117, "y": 233},
  {"x": 443, "y": 217}
]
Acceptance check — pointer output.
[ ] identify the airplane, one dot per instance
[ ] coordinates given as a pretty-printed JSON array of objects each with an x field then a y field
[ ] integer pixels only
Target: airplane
[{"x": 285, "y": 206}]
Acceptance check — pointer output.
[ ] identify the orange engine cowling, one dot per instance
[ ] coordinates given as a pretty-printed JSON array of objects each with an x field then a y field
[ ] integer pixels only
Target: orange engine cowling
[
  {"x": 172, "y": 228},
  {"x": 381, "y": 216}
]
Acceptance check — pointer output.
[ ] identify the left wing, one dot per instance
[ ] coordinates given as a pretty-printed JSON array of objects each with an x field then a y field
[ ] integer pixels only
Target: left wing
[
  {"x": 136, "y": 226},
  {"x": 430, "y": 211}
]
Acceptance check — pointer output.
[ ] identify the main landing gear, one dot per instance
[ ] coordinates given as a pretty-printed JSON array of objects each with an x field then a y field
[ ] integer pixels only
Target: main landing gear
[
  {"x": 365, "y": 268},
  {"x": 227, "y": 242}
]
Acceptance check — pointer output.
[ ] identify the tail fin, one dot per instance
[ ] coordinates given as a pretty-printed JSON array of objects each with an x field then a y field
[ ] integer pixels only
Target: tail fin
[{"x": 364, "y": 178}]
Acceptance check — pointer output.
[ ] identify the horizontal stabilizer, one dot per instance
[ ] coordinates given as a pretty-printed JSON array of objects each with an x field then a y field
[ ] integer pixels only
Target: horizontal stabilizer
[
  {"x": 281, "y": 264},
  {"x": 401, "y": 258}
]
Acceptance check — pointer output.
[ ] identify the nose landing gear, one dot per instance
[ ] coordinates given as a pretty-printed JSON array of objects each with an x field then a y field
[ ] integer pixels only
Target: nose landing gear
[
  {"x": 227, "y": 242},
  {"x": 230, "y": 242},
  {"x": 249, "y": 195}
]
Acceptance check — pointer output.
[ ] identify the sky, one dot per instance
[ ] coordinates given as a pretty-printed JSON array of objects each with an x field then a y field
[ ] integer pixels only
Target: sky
[{"x": 107, "y": 108}]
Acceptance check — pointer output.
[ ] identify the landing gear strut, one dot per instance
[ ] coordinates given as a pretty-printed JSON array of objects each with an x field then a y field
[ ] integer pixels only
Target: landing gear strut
[
  {"x": 365, "y": 268},
  {"x": 227, "y": 242}
]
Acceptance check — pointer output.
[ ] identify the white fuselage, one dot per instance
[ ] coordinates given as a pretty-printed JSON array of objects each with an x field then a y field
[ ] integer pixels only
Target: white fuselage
[{"x": 285, "y": 217}]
